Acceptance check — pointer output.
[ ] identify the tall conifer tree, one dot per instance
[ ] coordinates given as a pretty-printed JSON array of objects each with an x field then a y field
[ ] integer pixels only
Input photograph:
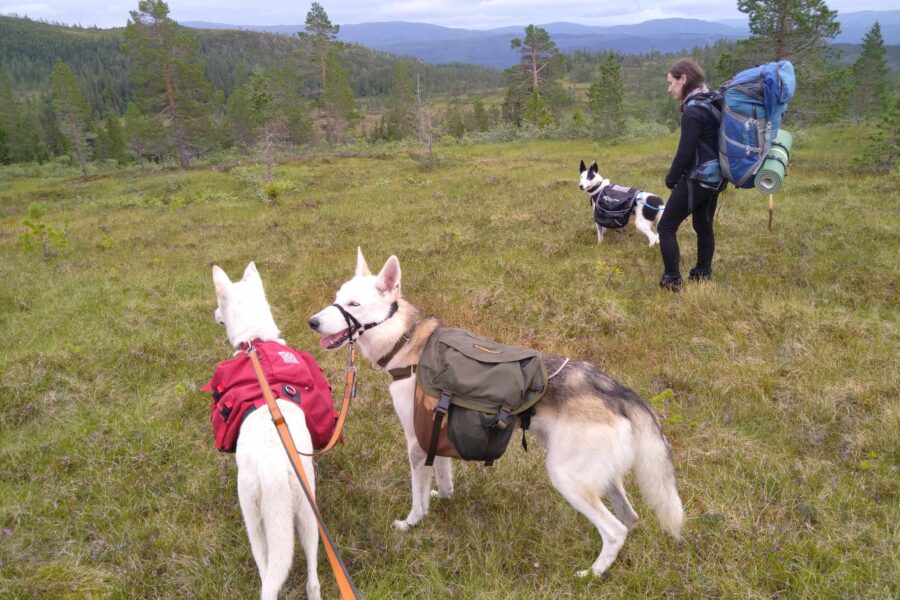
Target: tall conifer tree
[
  {"x": 167, "y": 75},
  {"x": 870, "y": 75},
  {"x": 337, "y": 97},
  {"x": 400, "y": 112},
  {"x": 72, "y": 109},
  {"x": 605, "y": 98},
  {"x": 533, "y": 81}
]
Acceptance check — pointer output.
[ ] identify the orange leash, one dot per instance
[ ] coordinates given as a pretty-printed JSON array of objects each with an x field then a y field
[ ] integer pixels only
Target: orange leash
[
  {"x": 341, "y": 575},
  {"x": 349, "y": 394}
]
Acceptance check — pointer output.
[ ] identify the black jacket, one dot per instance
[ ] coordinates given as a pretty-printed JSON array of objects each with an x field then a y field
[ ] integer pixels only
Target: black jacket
[{"x": 697, "y": 123}]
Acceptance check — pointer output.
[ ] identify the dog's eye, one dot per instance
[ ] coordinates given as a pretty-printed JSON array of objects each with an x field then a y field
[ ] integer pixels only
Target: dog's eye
[{"x": 353, "y": 304}]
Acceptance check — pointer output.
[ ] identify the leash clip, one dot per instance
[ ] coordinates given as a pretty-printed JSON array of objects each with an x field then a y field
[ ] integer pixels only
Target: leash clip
[{"x": 351, "y": 357}]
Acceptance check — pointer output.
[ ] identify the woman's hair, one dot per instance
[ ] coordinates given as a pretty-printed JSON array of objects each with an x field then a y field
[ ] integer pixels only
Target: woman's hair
[{"x": 694, "y": 75}]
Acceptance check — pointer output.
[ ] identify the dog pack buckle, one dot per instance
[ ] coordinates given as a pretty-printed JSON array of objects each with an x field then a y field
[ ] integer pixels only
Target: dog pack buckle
[{"x": 290, "y": 392}]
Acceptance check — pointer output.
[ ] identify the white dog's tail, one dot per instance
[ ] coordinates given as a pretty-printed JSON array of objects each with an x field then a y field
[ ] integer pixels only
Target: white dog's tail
[
  {"x": 656, "y": 474},
  {"x": 278, "y": 519}
]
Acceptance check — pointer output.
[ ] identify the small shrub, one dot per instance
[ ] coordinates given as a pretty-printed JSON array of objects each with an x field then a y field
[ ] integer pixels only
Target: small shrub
[
  {"x": 272, "y": 191},
  {"x": 39, "y": 234}
]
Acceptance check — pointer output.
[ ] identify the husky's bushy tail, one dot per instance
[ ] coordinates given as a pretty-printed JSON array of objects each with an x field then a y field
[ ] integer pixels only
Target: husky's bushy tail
[
  {"x": 655, "y": 473},
  {"x": 276, "y": 508}
]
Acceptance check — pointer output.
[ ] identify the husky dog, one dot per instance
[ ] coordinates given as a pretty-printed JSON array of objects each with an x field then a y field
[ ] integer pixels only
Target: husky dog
[
  {"x": 648, "y": 209},
  {"x": 271, "y": 498},
  {"x": 594, "y": 429}
]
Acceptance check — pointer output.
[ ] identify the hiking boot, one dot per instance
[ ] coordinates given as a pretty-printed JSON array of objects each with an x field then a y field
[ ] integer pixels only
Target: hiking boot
[
  {"x": 699, "y": 275},
  {"x": 670, "y": 282}
]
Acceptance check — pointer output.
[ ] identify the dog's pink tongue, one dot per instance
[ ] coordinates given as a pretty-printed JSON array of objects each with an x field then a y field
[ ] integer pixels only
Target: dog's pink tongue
[{"x": 329, "y": 340}]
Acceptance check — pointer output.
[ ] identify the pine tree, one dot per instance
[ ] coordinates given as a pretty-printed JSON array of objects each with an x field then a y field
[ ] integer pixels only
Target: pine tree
[
  {"x": 321, "y": 33},
  {"x": 480, "y": 121},
  {"x": 514, "y": 104},
  {"x": 12, "y": 142},
  {"x": 870, "y": 75},
  {"x": 788, "y": 29},
  {"x": 537, "y": 53},
  {"x": 72, "y": 109},
  {"x": 400, "y": 112},
  {"x": 455, "y": 125},
  {"x": 167, "y": 75},
  {"x": 110, "y": 141},
  {"x": 536, "y": 111},
  {"x": 532, "y": 85},
  {"x": 605, "y": 98},
  {"x": 578, "y": 119},
  {"x": 798, "y": 31},
  {"x": 242, "y": 120},
  {"x": 142, "y": 135},
  {"x": 337, "y": 97},
  {"x": 883, "y": 152}
]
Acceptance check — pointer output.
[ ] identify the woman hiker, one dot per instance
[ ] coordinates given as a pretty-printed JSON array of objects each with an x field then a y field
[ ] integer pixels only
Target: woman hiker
[{"x": 699, "y": 143}]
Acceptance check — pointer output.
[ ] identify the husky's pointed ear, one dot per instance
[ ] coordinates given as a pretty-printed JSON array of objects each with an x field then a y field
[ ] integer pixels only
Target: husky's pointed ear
[
  {"x": 362, "y": 269},
  {"x": 220, "y": 280},
  {"x": 594, "y": 167},
  {"x": 250, "y": 272},
  {"x": 582, "y": 168},
  {"x": 389, "y": 277}
]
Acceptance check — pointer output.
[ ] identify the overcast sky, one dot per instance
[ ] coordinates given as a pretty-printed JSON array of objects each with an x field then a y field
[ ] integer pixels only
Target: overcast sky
[{"x": 470, "y": 14}]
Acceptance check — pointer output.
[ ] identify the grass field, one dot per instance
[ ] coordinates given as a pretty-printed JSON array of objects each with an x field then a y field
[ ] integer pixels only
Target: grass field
[{"x": 778, "y": 383}]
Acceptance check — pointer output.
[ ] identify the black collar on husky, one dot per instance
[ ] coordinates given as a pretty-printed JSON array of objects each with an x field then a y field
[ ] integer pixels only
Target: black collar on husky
[{"x": 355, "y": 326}]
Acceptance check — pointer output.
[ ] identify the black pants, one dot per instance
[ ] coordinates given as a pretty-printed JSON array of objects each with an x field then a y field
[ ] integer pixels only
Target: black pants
[{"x": 677, "y": 210}]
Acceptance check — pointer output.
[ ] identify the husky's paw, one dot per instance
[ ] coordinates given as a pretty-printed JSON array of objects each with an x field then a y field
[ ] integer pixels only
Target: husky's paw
[
  {"x": 597, "y": 569},
  {"x": 654, "y": 241},
  {"x": 313, "y": 591},
  {"x": 401, "y": 525},
  {"x": 442, "y": 494}
]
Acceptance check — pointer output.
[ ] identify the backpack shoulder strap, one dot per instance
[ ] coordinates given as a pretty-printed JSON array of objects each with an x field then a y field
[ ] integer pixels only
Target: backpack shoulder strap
[{"x": 706, "y": 101}]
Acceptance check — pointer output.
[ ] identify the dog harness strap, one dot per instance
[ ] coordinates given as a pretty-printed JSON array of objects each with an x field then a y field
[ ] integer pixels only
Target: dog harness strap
[
  {"x": 403, "y": 372},
  {"x": 404, "y": 339},
  {"x": 439, "y": 411},
  {"x": 341, "y": 575}
]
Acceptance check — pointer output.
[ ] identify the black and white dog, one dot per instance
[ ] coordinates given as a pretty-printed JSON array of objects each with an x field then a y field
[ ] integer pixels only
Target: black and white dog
[{"x": 646, "y": 207}]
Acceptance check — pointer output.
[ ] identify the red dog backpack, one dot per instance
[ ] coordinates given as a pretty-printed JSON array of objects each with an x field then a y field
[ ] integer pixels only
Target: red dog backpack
[{"x": 292, "y": 375}]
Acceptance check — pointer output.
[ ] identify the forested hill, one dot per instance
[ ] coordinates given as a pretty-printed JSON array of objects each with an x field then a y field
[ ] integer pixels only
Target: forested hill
[{"x": 29, "y": 49}]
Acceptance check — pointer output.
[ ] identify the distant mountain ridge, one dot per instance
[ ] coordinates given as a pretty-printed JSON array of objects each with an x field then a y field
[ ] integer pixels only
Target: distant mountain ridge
[{"x": 490, "y": 47}]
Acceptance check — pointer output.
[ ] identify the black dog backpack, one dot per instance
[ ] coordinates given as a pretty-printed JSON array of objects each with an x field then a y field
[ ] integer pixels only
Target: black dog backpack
[
  {"x": 613, "y": 206},
  {"x": 480, "y": 386}
]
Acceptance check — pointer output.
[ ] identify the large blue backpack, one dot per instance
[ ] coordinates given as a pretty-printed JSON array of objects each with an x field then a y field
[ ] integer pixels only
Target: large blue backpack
[{"x": 750, "y": 108}]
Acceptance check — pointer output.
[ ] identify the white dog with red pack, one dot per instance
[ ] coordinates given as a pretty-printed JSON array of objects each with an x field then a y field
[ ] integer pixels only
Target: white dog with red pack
[
  {"x": 272, "y": 500},
  {"x": 595, "y": 430}
]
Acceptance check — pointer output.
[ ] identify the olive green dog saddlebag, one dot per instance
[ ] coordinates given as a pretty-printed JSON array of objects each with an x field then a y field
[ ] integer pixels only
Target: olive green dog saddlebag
[{"x": 480, "y": 386}]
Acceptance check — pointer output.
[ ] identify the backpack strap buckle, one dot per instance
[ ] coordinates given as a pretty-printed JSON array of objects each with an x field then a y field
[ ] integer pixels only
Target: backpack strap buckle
[{"x": 440, "y": 410}]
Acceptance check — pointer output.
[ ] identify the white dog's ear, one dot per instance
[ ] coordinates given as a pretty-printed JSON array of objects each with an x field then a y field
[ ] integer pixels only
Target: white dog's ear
[
  {"x": 220, "y": 280},
  {"x": 362, "y": 269},
  {"x": 251, "y": 272},
  {"x": 582, "y": 168},
  {"x": 594, "y": 167},
  {"x": 389, "y": 278}
]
